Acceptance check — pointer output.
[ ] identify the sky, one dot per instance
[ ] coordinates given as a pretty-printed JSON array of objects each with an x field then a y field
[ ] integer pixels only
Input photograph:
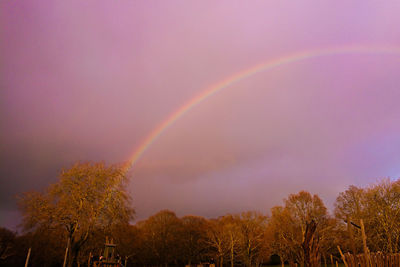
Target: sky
[{"x": 90, "y": 81}]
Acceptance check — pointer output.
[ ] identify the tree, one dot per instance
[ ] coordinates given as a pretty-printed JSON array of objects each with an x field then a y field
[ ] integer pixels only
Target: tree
[
  {"x": 378, "y": 206},
  {"x": 217, "y": 240},
  {"x": 7, "y": 240},
  {"x": 252, "y": 226},
  {"x": 193, "y": 238},
  {"x": 382, "y": 215},
  {"x": 350, "y": 204},
  {"x": 231, "y": 234},
  {"x": 304, "y": 208},
  {"x": 48, "y": 246},
  {"x": 284, "y": 235},
  {"x": 127, "y": 238},
  {"x": 161, "y": 234},
  {"x": 87, "y": 196},
  {"x": 288, "y": 224},
  {"x": 331, "y": 234},
  {"x": 350, "y": 207}
]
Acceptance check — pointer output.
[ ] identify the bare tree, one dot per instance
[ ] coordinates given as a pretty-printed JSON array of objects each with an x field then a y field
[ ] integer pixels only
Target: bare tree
[
  {"x": 252, "y": 227},
  {"x": 382, "y": 220},
  {"x": 161, "y": 234},
  {"x": 284, "y": 235},
  {"x": 217, "y": 240},
  {"x": 193, "y": 237},
  {"x": 289, "y": 224},
  {"x": 88, "y": 195}
]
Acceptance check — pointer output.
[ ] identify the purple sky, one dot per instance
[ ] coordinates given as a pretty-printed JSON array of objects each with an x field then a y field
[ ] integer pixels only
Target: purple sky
[{"x": 90, "y": 80}]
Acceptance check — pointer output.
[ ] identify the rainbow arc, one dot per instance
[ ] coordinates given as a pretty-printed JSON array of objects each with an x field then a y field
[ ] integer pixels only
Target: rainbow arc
[{"x": 262, "y": 67}]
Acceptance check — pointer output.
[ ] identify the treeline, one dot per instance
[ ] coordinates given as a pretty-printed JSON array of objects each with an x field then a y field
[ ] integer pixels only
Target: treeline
[{"x": 246, "y": 239}]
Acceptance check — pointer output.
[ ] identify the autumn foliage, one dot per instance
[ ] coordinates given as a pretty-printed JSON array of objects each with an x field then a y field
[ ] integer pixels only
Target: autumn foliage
[
  {"x": 90, "y": 202},
  {"x": 87, "y": 197}
]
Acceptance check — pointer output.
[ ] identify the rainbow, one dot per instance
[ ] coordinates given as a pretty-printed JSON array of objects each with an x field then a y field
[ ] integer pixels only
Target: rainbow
[{"x": 270, "y": 64}]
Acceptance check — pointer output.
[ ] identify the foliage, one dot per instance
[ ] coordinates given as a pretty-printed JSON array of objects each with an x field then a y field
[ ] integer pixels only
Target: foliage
[
  {"x": 378, "y": 206},
  {"x": 87, "y": 196},
  {"x": 252, "y": 227},
  {"x": 89, "y": 203},
  {"x": 217, "y": 239},
  {"x": 288, "y": 224},
  {"x": 160, "y": 235},
  {"x": 193, "y": 234}
]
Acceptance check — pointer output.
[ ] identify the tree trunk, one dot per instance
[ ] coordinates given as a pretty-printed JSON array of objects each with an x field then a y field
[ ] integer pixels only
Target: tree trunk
[
  {"x": 351, "y": 235},
  {"x": 231, "y": 255},
  {"x": 73, "y": 255},
  {"x": 309, "y": 246},
  {"x": 66, "y": 251},
  {"x": 364, "y": 237}
]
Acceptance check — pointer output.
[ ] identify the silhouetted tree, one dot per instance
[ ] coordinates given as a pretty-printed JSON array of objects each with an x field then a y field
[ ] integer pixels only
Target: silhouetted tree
[{"x": 7, "y": 244}]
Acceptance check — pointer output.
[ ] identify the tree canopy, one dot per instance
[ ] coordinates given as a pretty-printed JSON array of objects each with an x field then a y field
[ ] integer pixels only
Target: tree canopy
[
  {"x": 88, "y": 196},
  {"x": 90, "y": 202}
]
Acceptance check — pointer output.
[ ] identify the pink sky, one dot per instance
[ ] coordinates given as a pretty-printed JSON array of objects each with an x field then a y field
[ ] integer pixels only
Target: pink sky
[{"x": 90, "y": 80}]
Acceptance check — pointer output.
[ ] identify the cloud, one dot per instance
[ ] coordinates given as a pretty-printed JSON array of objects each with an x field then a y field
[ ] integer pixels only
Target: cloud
[{"x": 90, "y": 81}]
